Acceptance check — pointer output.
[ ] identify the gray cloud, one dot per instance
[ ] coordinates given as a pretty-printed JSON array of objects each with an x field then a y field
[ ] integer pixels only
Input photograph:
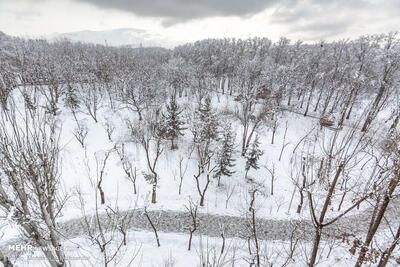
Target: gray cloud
[
  {"x": 295, "y": 10},
  {"x": 175, "y": 11},
  {"x": 308, "y": 19},
  {"x": 321, "y": 19},
  {"x": 322, "y": 30},
  {"x": 303, "y": 19}
]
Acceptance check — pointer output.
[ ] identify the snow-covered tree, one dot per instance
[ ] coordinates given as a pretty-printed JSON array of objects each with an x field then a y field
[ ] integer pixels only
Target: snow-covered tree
[
  {"x": 204, "y": 129},
  {"x": 174, "y": 125},
  {"x": 30, "y": 170},
  {"x": 207, "y": 118},
  {"x": 253, "y": 155},
  {"x": 150, "y": 135},
  {"x": 72, "y": 100},
  {"x": 225, "y": 151}
]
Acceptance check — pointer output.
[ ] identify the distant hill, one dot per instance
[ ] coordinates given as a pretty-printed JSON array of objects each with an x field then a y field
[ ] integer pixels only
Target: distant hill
[
  {"x": 3, "y": 36},
  {"x": 116, "y": 37},
  {"x": 6, "y": 40}
]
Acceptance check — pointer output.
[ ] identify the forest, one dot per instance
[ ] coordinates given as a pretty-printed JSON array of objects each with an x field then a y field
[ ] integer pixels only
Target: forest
[{"x": 221, "y": 152}]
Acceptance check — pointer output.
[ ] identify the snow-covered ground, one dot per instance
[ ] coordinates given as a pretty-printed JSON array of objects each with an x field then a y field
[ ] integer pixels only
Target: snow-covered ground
[
  {"x": 142, "y": 250},
  {"x": 81, "y": 167},
  {"x": 76, "y": 160}
]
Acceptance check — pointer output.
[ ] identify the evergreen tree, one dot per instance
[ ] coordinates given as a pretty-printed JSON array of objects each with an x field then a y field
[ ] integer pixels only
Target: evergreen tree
[
  {"x": 72, "y": 100},
  {"x": 224, "y": 160},
  {"x": 253, "y": 155},
  {"x": 204, "y": 129},
  {"x": 208, "y": 120},
  {"x": 174, "y": 125}
]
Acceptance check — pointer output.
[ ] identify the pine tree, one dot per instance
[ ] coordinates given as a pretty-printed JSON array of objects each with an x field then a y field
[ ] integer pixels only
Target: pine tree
[
  {"x": 174, "y": 125},
  {"x": 204, "y": 129},
  {"x": 208, "y": 120},
  {"x": 224, "y": 160},
  {"x": 253, "y": 155},
  {"x": 72, "y": 100}
]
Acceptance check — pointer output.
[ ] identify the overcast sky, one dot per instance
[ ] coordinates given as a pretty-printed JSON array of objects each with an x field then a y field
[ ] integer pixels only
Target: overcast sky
[{"x": 188, "y": 20}]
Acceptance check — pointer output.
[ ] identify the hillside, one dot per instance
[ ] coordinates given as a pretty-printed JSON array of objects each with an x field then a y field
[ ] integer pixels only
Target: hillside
[{"x": 231, "y": 151}]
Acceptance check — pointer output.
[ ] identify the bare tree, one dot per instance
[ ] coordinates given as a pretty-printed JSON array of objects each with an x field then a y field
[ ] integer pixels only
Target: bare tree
[
  {"x": 140, "y": 88},
  {"x": 107, "y": 231},
  {"x": 293, "y": 241},
  {"x": 182, "y": 172},
  {"x": 80, "y": 132},
  {"x": 192, "y": 210},
  {"x": 271, "y": 171},
  {"x": 91, "y": 96},
  {"x": 101, "y": 162},
  {"x": 52, "y": 92},
  {"x": 30, "y": 173},
  {"x": 210, "y": 255},
  {"x": 252, "y": 229},
  {"x": 383, "y": 261},
  {"x": 133, "y": 96},
  {"x": 229, "y": 190},
  {"x": 390, "y": 173},
  {"x": 302, "y": 185},
  {"x": 284, "y": 143},
  {"x": 343, "y": 153},
  {"x": 275, "y": 125},
  {"x": 252, "y": 117},
  {"x": 109, "y": 127},
  {"x": 152, "y": 226},
  {"x": 150, "y": 137},
  {"x": 389, "y": 65},
  {"x": 7, "y": 82},
  {"x": 204, "y": 169},
  {"x": 130, "y": 171}
]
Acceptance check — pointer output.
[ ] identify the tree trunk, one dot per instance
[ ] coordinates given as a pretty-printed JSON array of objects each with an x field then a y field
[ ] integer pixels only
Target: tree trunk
[
  {"x": 255, "y": 237},
  {"x": 374, "y": 109},
  {"x": 350, "y": 110},
  {"x": 319, "y": 99},
  {"x": 346, "y": 106},
  {"x": 154, "y": 194},
  {"x": 273, "y": 132},
  {"x": 395, "y": 122},
  {"x": 172, "y": 144},
  {"x": 303, "y": 173},
  {"x": 377, "y": 220},
  {"x": 272, "y": 185},
  {"x": 102, "y": 198},
  {"x": 386, "y": 254},
  {"x": 319, "y": 224},
  {"x": 202, "y": 200},
  {"x": 309, "y": 99},
  {"x": 190, "y": 240},
  {"x": 317, "y": 239},
  {"x": 222, "y": 85},
  {"x": 152, "y": 226}
]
